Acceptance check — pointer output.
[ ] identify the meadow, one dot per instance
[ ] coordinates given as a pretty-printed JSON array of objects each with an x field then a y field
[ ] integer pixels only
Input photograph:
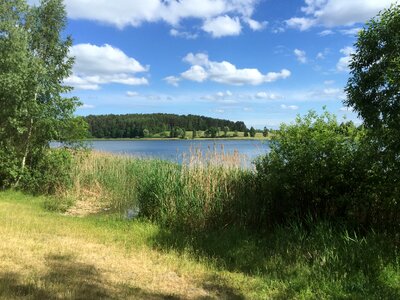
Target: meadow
[{"x": 124, "y": 227}]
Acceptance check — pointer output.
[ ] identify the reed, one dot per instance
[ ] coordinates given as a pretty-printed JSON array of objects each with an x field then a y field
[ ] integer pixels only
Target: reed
[{"x": 206, "y": 190}]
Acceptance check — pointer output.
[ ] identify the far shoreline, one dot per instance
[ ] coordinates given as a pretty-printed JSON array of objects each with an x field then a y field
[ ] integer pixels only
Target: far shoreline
[{"x": 178, "y": 139}]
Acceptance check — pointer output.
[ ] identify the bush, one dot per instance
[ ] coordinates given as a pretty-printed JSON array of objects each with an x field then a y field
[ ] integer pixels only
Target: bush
[
  {"x": 50, "y": 173},
  {"x": 314, "y": 170}
]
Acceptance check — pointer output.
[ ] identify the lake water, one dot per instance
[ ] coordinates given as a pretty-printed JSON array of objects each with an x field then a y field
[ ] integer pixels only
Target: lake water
[{"x": 175, "y": 150}]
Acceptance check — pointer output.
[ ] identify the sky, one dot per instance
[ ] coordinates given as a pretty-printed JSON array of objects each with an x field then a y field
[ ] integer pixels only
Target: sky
[{"x": 258, "y": 61}]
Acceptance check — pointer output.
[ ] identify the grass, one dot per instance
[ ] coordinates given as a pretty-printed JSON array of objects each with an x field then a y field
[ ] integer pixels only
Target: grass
[
  {"x": 207, "y": 190},
  {"x": 48, "y": 255}
]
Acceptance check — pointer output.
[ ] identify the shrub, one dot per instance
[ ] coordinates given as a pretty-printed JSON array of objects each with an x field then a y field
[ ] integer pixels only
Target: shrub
[
  {"x": 314, "y": 170},
  {"x": 50, "y": 173}
]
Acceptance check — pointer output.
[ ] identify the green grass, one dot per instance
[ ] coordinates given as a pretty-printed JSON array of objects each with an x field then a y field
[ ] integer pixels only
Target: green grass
[
  {"x": 47, "y": 255},
  {"x": 208, "y": 190}
]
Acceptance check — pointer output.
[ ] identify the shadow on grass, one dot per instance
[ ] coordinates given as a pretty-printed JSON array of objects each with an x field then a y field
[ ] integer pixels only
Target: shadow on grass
[
  {"x": 317, "y": 261},
  {"x": 69, "y": 279}
]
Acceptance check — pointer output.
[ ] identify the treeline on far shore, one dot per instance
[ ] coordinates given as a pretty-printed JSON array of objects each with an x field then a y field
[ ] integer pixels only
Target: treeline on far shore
[{"x": 165, "y": 126}]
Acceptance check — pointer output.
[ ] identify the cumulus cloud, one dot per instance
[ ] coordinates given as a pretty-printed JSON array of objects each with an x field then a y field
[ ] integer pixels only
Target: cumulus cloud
[
  {"x": 172, "y": 80},
  {"x": 226, "y": 98},
  {"x": 222, "y": 26},
  {"x": 255, "y": 25},
  {"x": 183, "y": 34},
  {"x": 98, "y": 65},
  {"x": 326, "y": 32},
  {"x": 290, "y": 107},
  {"x": 122, "y": 13},
  {"x": 300, "y": 55},
  {"x": 302, "y": 24},
  {"x": 351, "y": 31},
  {"x": 343, "y": 63},
  {"x": 331, "y": 13},
  {"x": 203, "y": 69},
  {"x": 268, "y": 96},
  {"x": 86, "y": 106}
]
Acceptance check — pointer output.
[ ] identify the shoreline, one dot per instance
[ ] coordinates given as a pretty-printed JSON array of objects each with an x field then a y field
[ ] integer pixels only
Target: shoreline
[{"x": 178, "y": 139}]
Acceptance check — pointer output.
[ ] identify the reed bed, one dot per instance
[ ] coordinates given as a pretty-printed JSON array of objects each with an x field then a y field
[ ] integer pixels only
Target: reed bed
[{"x": 208, "y": 189}]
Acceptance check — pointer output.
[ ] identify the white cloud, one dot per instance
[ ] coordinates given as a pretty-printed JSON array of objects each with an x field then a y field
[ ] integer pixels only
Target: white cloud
[
  {"x": 86, "y": 106},
  {"x": 195, "y": 73},
  {"x": 98, "y": 65},
  {"x": 132, "y": 94},
  {"x": 255, "y": 25},
  {"x": 329, "y": 82},
  {"x": 203, "y": 69},
  {"x": 300, "y": 55},
  {"x": 302, "y": 24},
  {"x": 222, "y": 26},
  {"x": 122, "y": 13},
  {"x": 331, "y": 13},
  {"x": 265, "y": 95},
  {"x": 200, "y": 59},
  {"x": 219, "y": 110},
  {"x": 326, "y": 32},
  {"x": 351, "y": 31},
  {"x": 346, "y": 109},
  {"x": 320, "y": 55},
  {"x": 183, "y": 34},
  {"x": 172, "y": 80},
  {"x": 290, "y": 107},
  {"x": 343, "y": 63}
]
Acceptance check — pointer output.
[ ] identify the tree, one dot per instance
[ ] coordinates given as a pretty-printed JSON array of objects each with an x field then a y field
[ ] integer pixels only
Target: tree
[
  {"x": 373, "y": 89},
  {"x": 265, "y": 132},
  {"x": 246, "y": 133},
  {"x": 212, "y": 132},
  {"x": 226, "y": 130},
  {"x": 194, "y": 134},
  {"x": 146, "y": 132},
  {"x": 252, "y": 132},
  {"x": 34, "y": 63}
]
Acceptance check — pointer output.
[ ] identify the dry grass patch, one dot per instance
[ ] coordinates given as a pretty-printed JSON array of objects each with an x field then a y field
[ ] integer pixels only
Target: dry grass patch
[{"x": 50, "y": 256}]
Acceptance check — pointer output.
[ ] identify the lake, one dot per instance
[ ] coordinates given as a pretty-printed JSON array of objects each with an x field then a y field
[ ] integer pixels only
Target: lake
[{"x": 175, "y": 150}]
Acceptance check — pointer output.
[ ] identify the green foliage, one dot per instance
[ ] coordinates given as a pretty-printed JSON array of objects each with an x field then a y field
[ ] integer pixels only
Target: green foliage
[
  {"x": 315, "y": 169},
  {"x": 373, "y": 88},
  {"x": 252, "y": 132},
  {"x": 131, "y": 125},
  {"x": 146, "y": 132},
  {"x": 226, "y": 130},
  {"x": 212, "y": 132},
  {"x": 34, "y": 63},
  {"x": 50, "y": 174},
  {"x": 177, "y": 132},
  {"x": 265, "y": 132}
]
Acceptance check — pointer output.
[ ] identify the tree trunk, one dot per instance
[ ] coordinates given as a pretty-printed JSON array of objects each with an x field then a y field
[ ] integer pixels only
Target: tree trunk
[{"x": 26, "y": 152}]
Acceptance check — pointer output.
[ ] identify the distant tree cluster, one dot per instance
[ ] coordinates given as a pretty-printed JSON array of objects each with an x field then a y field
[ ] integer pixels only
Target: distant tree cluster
[{"x": 140, "y": 125}]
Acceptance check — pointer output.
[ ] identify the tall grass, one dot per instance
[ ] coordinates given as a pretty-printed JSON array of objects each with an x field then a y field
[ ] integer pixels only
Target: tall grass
[{"x": 207, "y": 190}]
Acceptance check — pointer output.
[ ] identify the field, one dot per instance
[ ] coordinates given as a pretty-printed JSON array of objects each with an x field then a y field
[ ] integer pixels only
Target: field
[{"x": 200, "y": 135}]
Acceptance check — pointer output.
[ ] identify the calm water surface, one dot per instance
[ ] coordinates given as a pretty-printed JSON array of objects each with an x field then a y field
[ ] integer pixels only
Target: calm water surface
[{"x": 174, "y": 150}]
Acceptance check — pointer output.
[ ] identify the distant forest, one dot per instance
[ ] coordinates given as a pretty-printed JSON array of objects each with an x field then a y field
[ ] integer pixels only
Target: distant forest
[{"x": 141, "y": 125}]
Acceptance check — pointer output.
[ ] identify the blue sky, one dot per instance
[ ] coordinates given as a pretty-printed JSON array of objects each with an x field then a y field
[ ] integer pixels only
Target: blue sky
[{"x": 261, "y": 62}]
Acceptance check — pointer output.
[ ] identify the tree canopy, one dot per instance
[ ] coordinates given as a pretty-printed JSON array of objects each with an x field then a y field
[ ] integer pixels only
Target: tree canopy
[
  {"x": 34, "y": 62},
  {"x": 373, "y": 89}
]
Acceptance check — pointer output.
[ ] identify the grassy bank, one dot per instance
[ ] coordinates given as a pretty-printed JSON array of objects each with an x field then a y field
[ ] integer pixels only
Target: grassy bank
[{"x": 47, "y": 255}]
